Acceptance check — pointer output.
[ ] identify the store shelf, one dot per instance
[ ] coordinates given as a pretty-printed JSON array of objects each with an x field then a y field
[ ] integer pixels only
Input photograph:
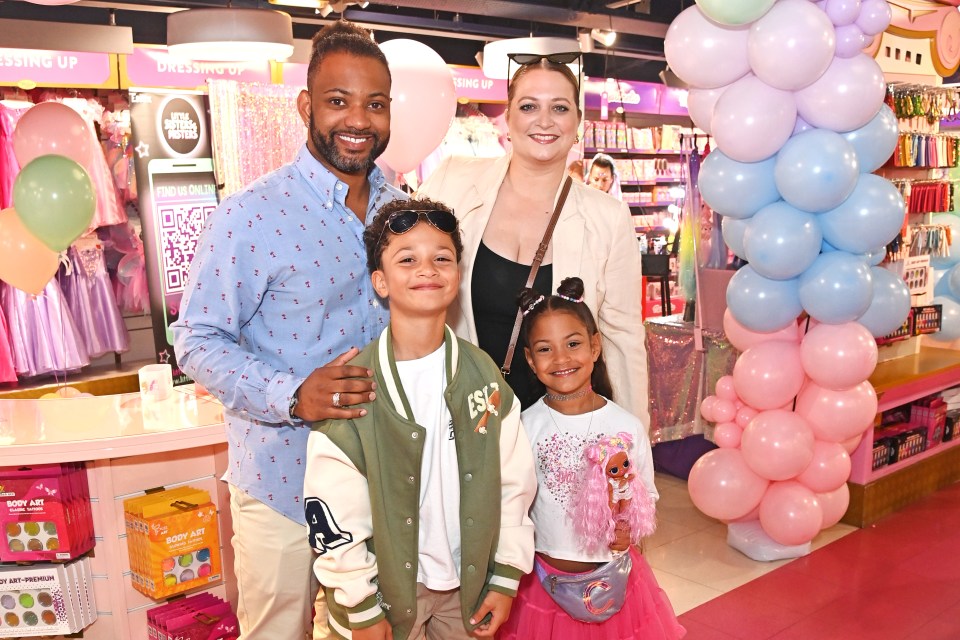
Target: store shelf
[
  {"x": 662, "y": 203},
  {"x": 648, "y": 183},
  {"x": 638, "y": 152}
]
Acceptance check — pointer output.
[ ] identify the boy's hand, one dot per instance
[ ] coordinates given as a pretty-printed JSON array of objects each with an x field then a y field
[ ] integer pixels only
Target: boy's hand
[
  {"x": 353, "y": 384},
  {"x": 496, "y": 604},
  {"x": 621, "y": 537},
  {"x": 380, "y": 631}
]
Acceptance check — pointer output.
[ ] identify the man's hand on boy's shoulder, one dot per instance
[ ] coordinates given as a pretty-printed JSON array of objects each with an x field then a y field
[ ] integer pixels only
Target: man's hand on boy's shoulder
[
  {"x": 336, "y": 390},
  {"x": 380, "y": 631},
  {"x": 495, "y": 604}
]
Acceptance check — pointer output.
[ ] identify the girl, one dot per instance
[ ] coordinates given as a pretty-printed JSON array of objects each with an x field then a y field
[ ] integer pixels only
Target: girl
[
  {"x": 596, "y": 495},
  {"x": 603, "y": 175}
]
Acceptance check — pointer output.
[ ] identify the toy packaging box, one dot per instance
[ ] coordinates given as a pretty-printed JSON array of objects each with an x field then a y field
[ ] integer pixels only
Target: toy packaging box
[
  {"x": 200, "y": 617},
  {"x": 45, "y": 599},
  {"x": 173, "y": 541},
  {"x": 45, "y": 513}
]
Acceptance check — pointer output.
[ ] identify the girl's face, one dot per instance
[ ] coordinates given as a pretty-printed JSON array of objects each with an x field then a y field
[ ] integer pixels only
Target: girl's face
[
  {"x": 561, "y": 353},
  {"x": 542, "y": 117},
  {"x": 618, "y": 466},
  {"x": 601, "y": 178}
]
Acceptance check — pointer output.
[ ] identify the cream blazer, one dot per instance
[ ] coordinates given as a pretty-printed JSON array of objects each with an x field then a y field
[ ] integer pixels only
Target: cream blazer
[{"x": 594, "y": 240}]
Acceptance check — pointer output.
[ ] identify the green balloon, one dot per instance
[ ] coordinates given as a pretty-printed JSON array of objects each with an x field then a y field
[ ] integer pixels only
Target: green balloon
[
  {"x": 54, "y": 197},
  {"x": 734, "y": 12}
]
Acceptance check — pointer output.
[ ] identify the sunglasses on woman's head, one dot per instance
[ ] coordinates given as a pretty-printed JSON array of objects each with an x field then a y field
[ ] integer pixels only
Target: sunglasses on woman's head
[{"x": 556, "y": 58}]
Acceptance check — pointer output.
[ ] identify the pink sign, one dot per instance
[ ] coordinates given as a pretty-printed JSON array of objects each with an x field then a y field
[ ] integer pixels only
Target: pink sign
[
  {"x": 470, "y": 84},
  {"x": 673, "y": 102},
  {"x": 65, "y": 68},
  {"x": 294, "y": 74},
  {"x": 155, "y": 67}
]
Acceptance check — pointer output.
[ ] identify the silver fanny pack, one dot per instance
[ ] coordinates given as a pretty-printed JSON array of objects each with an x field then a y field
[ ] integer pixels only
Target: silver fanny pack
[{"x": 589, "y": 597}]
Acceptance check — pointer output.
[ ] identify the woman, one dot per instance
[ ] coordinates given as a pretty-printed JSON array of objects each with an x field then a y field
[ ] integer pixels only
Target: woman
[
  {"x": 603, "y": 175},
  {"x": 504, "y": 205}
]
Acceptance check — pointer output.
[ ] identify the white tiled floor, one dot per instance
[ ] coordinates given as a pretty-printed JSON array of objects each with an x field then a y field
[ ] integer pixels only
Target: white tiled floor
[{"x": 689, "y": 552}]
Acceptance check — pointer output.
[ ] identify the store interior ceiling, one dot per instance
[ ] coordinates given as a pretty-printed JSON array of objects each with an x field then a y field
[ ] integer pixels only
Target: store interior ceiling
[{"x": 456, "y": 29}]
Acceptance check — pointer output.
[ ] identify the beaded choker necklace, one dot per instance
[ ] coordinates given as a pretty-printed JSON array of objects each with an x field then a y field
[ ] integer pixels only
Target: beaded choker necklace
[{"x": 560, "y": 397}]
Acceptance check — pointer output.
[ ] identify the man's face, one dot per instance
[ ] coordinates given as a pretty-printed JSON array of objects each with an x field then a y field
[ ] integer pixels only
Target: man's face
[{"x": 347, "y": 112}]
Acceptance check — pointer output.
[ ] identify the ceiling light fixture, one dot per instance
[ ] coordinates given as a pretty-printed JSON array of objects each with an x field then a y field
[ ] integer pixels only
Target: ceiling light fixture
[
  {"x": 606, "y": 37},
  {"x": 307, "y": 4},
  {"x": 230, "y": 35}
]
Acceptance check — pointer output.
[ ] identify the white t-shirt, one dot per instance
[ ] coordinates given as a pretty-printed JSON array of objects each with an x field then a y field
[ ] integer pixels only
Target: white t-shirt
[
  {"x": 423, "y": 382},
  {"x": 558, "y": 443}
]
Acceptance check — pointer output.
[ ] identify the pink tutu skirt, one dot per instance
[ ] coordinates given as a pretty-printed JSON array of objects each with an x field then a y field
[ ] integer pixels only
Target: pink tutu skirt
[{"x": 646, "y": 614}]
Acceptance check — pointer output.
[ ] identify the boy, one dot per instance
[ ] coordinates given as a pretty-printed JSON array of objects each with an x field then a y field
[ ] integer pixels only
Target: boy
[{"x": 419, "y": 508}]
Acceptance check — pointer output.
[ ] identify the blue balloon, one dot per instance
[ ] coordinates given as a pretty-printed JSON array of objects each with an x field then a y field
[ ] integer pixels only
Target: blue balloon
[
  {"x": 761, "y": 304},
  {"x": 736, "y": 189},
  {"x": 871, "y": 217},
  {"x": 889, "y": 305},
  {"x": 733, "y": 231},
  {"x": 816, "y": 170},
  {"x": 953, "y": 257},
  {"x": 941, "y": 283},
  {"x": 949, "y": 321},
  {"x": 876, "y": 256},
  {"x": 837, "y": 288},
  {"x": 826, "y": 247},
  {"x": 875, "y": 141},
  {"x": 782, "y": 241}
]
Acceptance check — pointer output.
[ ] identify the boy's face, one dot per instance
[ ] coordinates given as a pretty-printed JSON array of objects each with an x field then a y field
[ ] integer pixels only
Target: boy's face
[{"x": 418, "y": 272}]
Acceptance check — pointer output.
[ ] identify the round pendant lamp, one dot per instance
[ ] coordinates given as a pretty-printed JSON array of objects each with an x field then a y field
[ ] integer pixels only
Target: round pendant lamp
[{"x": 230, "y": 35}]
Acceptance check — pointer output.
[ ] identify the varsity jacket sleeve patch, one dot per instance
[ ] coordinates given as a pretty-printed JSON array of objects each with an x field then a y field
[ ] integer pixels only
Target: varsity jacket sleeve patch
[
  {"x": 514, "y": 555},
  {"x": 338, "y": 515}
]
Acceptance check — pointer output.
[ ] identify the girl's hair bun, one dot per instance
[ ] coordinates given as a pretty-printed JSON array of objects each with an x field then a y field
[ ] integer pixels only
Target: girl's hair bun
[{"x": 571, "y": 288}]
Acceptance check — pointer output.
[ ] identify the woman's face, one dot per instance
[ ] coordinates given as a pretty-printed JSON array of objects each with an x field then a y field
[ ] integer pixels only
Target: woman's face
[
  {"x": 542, "y": 117},
  {"x": 600, "y": 178}
]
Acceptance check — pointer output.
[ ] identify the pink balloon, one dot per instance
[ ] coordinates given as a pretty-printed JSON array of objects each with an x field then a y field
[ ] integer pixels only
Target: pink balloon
[
  {"x": 724, "y": 410},
  {"x": 842, "y": 12},
  {"x": 850, "y": 445},
  {"x": 722, "y": 486},
  {"x": 768, "y": 375},
  {"x": 727, "y": 435},
  {"x": 703, "y": 53},
  {"x": 836, "y": 416},
  {"x": 790, "y": 513},
  {"x": 875, "y": 16},
  {"x": 52, "y": 128},
  {"x": 829, "y": 468},
  {"x": 752, "y": 120},
  {"x": 777, "y": 445},
  {"x": 725, "y": 389},
  {"x": 742, "y": 338},
  {"x": 744, "y": 415},
  {"x": 706, "y": 408},
  {"x": 700, "y": 103},
  {"x": 791, "y": 45},
  {"x": 753, "y": 515},
  {"x": 846, "y": 97},
  {"x": 850, "y": 41},
  {"x": 25, "y": 262},
  {"x": 423, "y": 103},
  {"x": 801, "y": 126},
  {"x": 834, "y": 505},
  {"x": 838, "y": 356}
]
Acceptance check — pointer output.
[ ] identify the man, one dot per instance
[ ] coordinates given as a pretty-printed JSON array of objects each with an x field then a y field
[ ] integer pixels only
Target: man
[{"x": 279, "y": 287}]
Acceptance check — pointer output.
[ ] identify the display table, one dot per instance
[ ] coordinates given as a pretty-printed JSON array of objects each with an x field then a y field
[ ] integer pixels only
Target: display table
[
  {"x": 128, "y": 447},
  {"x": 876, "y": 493}
]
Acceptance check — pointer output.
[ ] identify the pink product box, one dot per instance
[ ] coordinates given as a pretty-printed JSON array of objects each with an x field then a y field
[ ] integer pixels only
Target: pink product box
[
  {"x": 45, "y": 513},
  {"x": 932, "y": 415},
  {"x": 200, "y": 617},
  {"x": 45, "y": 599}
]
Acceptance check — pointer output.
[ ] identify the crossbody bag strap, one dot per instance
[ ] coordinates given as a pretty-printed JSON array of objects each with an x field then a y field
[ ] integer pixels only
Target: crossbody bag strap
[{"x": 537, "y": 259}]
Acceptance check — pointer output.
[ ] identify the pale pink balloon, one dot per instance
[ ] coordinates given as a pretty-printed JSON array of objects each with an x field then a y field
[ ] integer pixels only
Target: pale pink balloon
[
  {"x": 769, "y": 374},
  {"x": 722, "y": 486},
  {"x": 744, "y": 415},
  {"x": 725, "y": 389},
  {"x": 742, "y": 338},
  {"x": 838, "y": 356},
  {"x": 790, "y": 513},
  {"x": 706, "y": 408},
  {"x": 850, "y": 445},
  {"x": 829, "y": 468},
  {"x": 836, "y": 416},
  {"x": 700, "y": 105},
  {"x": 726, "y": 435},
  {"x": 53, "y": 128},
  {"x": 834, "y": 505},
  {"x": 753, "y": 515},
  {"x": 777, "y": 445},
  {"x": 724, "y": 411}
]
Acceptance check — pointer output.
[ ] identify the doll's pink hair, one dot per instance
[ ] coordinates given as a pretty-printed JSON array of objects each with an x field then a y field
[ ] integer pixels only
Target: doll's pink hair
[{"x": 593, "y": 520}]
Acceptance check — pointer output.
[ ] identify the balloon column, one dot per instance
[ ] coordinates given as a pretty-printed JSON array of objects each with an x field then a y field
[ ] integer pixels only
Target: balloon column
[
  {"x": 797, "y": 114},
  {"x": 53, "y": 197}
]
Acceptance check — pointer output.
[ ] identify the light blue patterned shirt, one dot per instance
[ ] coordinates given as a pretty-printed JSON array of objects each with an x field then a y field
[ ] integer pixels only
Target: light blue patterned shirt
[{"x": 278, "y": 287}]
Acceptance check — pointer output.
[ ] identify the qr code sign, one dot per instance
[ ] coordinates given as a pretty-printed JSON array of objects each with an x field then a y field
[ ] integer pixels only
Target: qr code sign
[{"x": 180, "y": 227}]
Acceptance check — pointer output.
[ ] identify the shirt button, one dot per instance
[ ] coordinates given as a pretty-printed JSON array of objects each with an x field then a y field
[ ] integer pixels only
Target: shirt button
[
  {"x": 408, "y": 565},
  {"x": 468, "y": 477},
  {"x": 339, "y": 187},
  {"x": 471, "y": 569},
  {"x": 409, "y": 520},
  {"x": 414, "y": 435},
  {"x": 410, "y": 479},
  {"x": 469, "y": 522},
  {"x": 409, "y": 611}
]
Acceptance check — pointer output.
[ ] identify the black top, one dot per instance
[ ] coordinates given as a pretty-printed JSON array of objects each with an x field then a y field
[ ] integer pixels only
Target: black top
[{"x": 497, "y": 282}]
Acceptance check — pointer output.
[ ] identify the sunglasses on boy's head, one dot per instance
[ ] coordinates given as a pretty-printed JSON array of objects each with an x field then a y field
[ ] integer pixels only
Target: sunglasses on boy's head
[
  {"x": 533, "y": 58},
  {"x": 402, "y": 221}
]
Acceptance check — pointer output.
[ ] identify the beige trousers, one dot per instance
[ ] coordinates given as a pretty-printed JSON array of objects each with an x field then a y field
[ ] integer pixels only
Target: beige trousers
[{"x": 438, "y": 616}]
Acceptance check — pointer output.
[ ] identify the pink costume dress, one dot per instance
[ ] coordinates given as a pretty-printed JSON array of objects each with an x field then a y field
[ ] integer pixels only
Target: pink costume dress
[{"x": 91, "y": 299}]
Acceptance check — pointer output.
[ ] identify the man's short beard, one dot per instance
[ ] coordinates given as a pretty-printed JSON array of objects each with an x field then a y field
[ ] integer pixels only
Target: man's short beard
[{"x": 327, "y": 148}]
